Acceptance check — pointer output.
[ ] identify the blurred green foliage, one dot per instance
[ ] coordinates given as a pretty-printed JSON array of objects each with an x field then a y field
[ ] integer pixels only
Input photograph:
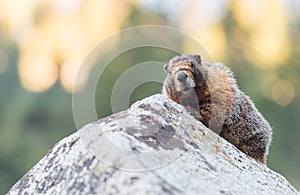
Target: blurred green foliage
[{"x": 31, "y": 123}]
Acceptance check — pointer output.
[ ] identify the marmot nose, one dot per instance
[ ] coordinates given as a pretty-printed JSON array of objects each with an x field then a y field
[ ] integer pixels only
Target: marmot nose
[{"x": 182, "y": 76}]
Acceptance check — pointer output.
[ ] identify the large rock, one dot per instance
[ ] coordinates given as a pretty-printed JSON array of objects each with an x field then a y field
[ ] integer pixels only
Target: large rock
[{"x": 155, "y": 147}]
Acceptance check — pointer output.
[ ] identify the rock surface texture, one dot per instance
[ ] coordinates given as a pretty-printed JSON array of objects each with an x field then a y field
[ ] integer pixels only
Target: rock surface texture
[{"x": 154, "y": 147}]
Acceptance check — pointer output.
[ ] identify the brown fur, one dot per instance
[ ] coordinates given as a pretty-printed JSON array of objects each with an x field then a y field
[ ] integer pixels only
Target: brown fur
[{"x": 218, "y": 103}]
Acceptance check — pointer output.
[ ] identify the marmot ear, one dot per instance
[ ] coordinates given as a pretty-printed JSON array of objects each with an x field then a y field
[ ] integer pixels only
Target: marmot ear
[
  {"x": 197, "y": 58},
  {"x": 166, "y": 66}
]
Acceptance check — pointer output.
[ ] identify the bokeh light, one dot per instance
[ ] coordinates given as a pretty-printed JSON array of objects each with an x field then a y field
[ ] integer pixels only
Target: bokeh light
[
  {"x": 37, "y": 73},
  {"x": 283, "y": 92},
  {"x": 68, "y": 75}
]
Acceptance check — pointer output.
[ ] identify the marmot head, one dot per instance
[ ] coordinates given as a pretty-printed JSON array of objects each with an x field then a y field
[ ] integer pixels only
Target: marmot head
[{"x": 184, "y": 73}]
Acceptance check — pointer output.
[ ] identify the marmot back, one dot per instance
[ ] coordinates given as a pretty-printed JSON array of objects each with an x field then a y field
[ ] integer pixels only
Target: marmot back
[{"x": 210, "y": 93}]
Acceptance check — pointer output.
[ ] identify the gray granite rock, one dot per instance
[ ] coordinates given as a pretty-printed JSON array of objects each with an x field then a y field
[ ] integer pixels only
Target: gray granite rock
[{"x": 154, "y": 147}]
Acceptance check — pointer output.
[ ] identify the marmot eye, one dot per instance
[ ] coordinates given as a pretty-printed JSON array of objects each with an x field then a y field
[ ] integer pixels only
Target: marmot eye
[{"x": 193, "y": 64}]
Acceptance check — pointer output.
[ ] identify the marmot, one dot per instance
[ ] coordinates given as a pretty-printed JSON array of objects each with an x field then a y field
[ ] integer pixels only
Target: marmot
[{"x": 210, "y": 92}]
